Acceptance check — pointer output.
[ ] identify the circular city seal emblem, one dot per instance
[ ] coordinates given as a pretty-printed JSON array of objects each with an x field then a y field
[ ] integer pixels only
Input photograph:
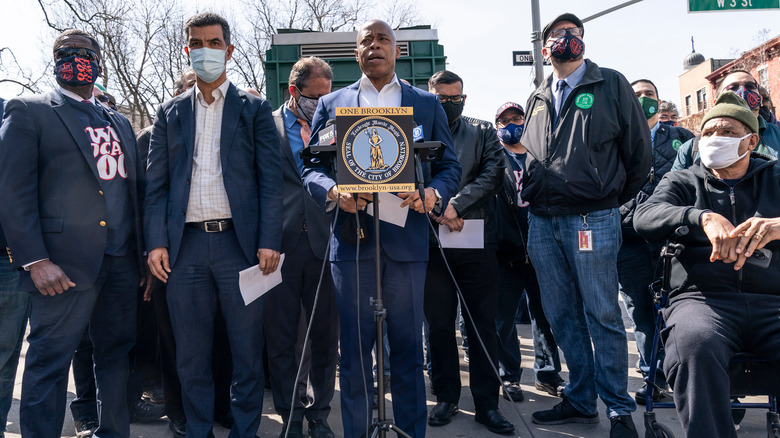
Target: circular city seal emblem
[
  {"x": 584, "y": 100},
  {"x": 676, "y": 144},
  {"x": 375, "y": 149}
]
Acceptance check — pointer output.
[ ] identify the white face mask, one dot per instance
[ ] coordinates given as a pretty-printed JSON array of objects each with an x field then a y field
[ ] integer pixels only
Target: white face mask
[{"x": 720, "y": 152}]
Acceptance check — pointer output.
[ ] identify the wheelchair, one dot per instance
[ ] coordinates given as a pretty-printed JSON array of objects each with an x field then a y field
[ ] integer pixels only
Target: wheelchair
[{"x": 748, "y": 372}]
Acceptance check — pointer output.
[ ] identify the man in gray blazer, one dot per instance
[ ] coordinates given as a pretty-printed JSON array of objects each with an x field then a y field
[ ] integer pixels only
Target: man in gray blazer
[{"x": 304, "y": 243}]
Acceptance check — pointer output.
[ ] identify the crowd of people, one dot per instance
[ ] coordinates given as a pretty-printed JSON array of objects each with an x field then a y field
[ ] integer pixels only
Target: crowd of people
[{"x": 124, "y": 251}]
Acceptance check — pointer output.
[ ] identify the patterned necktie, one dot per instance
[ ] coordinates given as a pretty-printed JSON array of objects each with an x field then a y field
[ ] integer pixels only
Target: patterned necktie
[{"x": 305, "y": 132}]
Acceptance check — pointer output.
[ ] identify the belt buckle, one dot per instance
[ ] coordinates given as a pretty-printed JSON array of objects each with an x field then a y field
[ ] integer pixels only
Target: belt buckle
[{"x": 208, "y": 228}]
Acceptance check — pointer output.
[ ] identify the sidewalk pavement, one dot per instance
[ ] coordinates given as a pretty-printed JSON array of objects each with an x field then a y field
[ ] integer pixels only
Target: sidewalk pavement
[{"x": 463, "y": 424}]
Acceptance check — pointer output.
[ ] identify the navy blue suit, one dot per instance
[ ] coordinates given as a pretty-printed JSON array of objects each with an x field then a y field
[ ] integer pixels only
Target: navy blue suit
[
  {"x": 405, "y": 252},
  {"x": 53, "y": 206},
  {"x": 205, "y": 265}
]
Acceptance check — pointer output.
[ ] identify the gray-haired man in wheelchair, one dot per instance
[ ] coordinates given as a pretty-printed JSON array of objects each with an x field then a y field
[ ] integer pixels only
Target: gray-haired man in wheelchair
[{"x": 725, "y": 284}]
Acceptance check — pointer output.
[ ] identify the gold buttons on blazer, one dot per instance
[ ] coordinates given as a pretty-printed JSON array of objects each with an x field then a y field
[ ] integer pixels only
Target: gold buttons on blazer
[
  {"x": 102, "y": 223},
  {"x": 101, "y": 192}
]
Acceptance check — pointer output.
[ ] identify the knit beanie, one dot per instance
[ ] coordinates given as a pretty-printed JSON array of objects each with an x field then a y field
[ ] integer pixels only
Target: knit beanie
[{"x": 730, "y": 105}]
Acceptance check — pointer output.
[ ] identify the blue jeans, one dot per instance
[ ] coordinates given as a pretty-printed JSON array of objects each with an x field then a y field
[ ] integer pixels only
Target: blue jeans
[
  {"x": 580, "y": 299},
  {"x": 636, "y": 271},
  {"x": 513, "y": 279},
  {"x": 14, "y": 310}
]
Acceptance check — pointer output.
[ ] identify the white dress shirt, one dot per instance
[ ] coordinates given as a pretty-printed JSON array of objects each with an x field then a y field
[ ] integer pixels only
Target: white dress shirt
[
  {"x": 208, "y": 198},
  {"x": 389, "y": 96}
]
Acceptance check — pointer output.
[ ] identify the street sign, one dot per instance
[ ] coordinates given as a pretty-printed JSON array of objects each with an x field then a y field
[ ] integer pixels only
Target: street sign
[
  {"x": 522, "y": 58},
  {"x": 525, "y": 57},
  {"x": 731, "y": 5}
]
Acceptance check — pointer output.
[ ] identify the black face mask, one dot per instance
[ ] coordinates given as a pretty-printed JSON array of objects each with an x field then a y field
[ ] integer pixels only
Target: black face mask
[{"x": 453, "y": 110}]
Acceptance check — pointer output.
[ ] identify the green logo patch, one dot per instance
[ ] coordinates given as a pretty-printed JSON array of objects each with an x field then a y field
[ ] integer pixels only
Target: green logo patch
[
  {"x": 676, "y": 144},
  {"x": 584, "y": 100}
]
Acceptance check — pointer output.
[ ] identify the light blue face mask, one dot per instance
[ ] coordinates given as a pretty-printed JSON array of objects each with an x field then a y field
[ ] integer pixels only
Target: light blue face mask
[{"x": 208, "y": 63}]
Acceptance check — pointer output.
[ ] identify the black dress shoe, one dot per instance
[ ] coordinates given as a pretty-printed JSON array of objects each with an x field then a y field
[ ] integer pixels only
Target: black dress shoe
[
  {"x": 320, "y": 429},
  {"x": 494, "y": 421},
  {"x": 641, "y": 395},
  {"x": 178, "y": 427},
  {"x": 442, "y": 413}
]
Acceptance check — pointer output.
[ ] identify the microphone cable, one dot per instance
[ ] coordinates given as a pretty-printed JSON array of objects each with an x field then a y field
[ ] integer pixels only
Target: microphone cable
[{"x": 464, "y": 306}]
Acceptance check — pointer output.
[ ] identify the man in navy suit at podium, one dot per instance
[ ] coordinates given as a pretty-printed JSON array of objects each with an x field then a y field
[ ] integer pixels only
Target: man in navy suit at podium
[{"x": 404, "y": 251}]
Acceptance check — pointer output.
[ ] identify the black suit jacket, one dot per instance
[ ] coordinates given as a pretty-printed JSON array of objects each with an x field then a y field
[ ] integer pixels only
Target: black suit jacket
[
  {"x": 300, "y": 209},
  {"x": 52, "y": 204}
]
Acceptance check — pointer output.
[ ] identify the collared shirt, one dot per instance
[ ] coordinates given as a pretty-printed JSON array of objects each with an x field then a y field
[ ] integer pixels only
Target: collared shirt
[
  {"x": 653, "y": 130},
  {"x": 208, "y": 198},
  {"x": 76, "y": 97},
  {"x": 571, "y": 81},
  {"x": 388, "y": 96},
  {"x": 293, "y": 129}
]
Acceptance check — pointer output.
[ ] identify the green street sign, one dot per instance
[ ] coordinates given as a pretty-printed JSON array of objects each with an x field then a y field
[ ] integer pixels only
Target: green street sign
[{"x": 731, "y": 5}]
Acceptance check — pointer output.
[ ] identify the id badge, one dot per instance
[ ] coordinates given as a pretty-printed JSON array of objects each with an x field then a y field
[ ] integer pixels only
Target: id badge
[{"x": 586, "y": 240}]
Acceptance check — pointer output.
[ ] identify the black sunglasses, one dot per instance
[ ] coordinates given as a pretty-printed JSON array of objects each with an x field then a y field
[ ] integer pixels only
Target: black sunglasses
[
  {"x": 75, "y": 51},
  {"x": 102, "y": 98}
]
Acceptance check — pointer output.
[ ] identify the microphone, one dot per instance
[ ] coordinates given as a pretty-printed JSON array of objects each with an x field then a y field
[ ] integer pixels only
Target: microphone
[
  {"x": 419, "y": 137},
  {"x": 417, "y": 134},
  {"x": 328, "y": 134}
]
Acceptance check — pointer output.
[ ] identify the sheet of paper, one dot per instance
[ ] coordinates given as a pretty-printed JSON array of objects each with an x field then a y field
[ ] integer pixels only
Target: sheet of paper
[
  {"x": 254, "y": 284},
  {"x": 389, "y": 210},
  {"x": 472, "y": 236}
]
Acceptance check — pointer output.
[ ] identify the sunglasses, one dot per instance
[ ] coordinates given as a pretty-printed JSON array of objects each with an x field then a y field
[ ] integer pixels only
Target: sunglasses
[
  {"x": 102, "y": 98},
  {"x": 75, "y": 51}
]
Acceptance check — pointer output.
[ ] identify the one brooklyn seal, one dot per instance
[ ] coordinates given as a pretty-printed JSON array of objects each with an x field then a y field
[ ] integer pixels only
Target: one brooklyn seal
[{"x": 375, "y": 150}]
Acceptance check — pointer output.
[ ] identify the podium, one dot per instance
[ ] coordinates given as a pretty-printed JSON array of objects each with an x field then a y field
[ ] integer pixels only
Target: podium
[{"x": 370, "y": 149}]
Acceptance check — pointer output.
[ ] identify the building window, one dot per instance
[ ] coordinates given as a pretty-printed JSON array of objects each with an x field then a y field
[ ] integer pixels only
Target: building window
[
  {"x": 688, "y": 105},
  {"x": 701, "y": 100},
  {"x": 763, "y": 77}
]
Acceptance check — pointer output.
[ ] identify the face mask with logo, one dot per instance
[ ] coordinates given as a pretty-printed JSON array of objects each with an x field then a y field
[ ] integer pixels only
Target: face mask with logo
[
  {"x": 567, "y": 47},
  {"x": 76, "y": 71},
  {"x": 453, "y": 110},
  {"x": 752, "y": 98},
  {"x": 511, "y": 133},
  {"x": 208, "y": 63},
  {"x": 307, "y": 106},
  {"x": 649, "y": 106},
  {"x": 720, "y": 152}
]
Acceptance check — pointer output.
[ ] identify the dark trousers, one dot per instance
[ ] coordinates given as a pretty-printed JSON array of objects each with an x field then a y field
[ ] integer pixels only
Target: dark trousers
[
  {"x": 57, "y": 326},
  {"x": 703, "y": 332},
  {"x": 84, "y": 405},
  {"x": 402, "y": 289},
  {"x": 206, "y": 272},
  {"x": 637, "y": 262},
  {"x": 221, "y": 361},
  {"x": 476, "y": 272},
  {"x": 284, "y": 340},
  {"x": 514, "y": 278}
]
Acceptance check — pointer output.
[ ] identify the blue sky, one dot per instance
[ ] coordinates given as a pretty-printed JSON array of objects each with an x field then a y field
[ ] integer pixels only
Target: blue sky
[{"x": 649, "y": 40}]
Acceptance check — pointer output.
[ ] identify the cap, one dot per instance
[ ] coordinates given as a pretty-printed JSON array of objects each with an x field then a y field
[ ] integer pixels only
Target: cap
[
  {"x": 508, "y": 105},
  {"x": 731, "y": 105},
  {"x": 568, "y": 16}
]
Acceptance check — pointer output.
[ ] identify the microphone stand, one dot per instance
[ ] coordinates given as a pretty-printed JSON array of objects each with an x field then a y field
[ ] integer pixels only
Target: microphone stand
[{"x": 423, "y": 152}]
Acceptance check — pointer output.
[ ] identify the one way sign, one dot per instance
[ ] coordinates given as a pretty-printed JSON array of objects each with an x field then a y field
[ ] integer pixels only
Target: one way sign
[{"x": 524, "y": 58}]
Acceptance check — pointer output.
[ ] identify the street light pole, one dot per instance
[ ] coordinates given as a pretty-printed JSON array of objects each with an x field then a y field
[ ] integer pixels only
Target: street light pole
[{"x": 536, "y": 40}]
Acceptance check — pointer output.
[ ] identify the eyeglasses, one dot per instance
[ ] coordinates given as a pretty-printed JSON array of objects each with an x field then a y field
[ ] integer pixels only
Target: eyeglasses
[
  {"x": 456, "y": 98},
  {"x": 752, "y": 86},
  {"x": 557, "y": 33},
  {"x": 77, "y": 51},
  {"x": 102, "y": 98},
  {"x": 517, "y": 120}
]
